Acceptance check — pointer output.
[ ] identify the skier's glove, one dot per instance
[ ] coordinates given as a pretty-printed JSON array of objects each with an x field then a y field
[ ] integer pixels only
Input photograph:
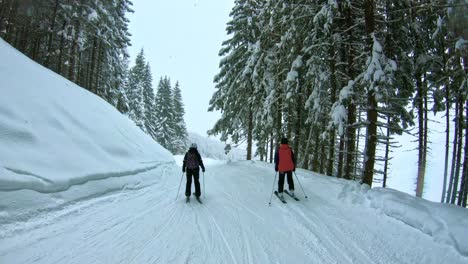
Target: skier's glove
[
  {"x": 183, "y": 169},
  {"x": 203, "y": 169},
  {"x": 276, "y": 168}
]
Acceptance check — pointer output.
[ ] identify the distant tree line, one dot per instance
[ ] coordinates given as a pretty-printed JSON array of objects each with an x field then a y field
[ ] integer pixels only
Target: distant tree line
[
  {"x": 160, "y": 115},
  {"x": 340, "y": 78},
  {"x": 86, "y": 42}
]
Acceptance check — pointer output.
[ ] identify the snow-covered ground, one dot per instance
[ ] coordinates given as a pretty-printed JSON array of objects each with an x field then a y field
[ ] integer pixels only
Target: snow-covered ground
[
  {"x": 339, "y": 223},
  {"x": 79, "y": 183}
]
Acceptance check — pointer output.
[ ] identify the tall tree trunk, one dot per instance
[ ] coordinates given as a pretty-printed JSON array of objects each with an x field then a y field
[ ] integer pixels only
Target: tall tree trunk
[
  {"x": 332, "y": 132},
  {"x": 74, "y": 49},
  {"x": 322, "y": 155},
  {"x": 340, "y": 158},
  {"x": 454, "y": 154},
  {"x": 249, "y": 134},
  {"x": 350, "y": 128},
  {"x": 447, "y": 141},
  {"x": 358, "y": 141},
  {"x": 421, "y": 136},
  {"x": 387, "y": 154},
  {"x": 464, "y": 186},
  {"x": 98, "y": 74},
  {"x": 61, "y": 50},
  {"x": 50, "y": 34},
  {"x": 371, "y": 138},
  {"x": 92, "y": 66},
  {"x": 459, "y": 149},
  {"x": 271, "y": 148},
  {"x": 315, "y": 161},
  {"x": 298, "y": 125},
  {"x": 306, "y": 156}
]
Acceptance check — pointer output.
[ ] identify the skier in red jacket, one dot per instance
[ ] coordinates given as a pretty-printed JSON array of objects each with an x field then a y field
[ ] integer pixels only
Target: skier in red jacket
[{"x": 285, "y": 163}]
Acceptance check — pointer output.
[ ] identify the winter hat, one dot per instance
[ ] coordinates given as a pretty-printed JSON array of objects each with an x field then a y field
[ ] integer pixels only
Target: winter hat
[
  {"x": 284, "y": 141},
  {"x": 194, "y": 145}
]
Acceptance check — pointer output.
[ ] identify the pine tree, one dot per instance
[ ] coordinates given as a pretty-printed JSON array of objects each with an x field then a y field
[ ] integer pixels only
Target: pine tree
[
  {"x": 181, "y": 135},
  {"x": 234, "y": 95},
  {"x": 135, "y": 85},
  {"x": 149, "y": 118},
  {"x": 164, "y": 110}
]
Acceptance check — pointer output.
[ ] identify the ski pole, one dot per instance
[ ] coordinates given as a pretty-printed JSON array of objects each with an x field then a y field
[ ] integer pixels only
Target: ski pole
[
  {"x": 181, "y": 176},
  {"x": 300, "y": 185},
  {"x": 204, "y": 190},
  {"x": 272, "y": 189}
]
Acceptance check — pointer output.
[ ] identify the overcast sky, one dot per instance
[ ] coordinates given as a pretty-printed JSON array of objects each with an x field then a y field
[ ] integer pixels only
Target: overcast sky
[{"x": 181, "y": 39}]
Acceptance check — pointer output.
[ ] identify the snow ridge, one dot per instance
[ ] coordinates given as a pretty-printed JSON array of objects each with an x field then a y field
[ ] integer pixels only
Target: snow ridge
[{"x": 447, "y": 224}]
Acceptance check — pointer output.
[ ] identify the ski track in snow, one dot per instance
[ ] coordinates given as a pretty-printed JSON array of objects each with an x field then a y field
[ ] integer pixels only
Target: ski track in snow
[{"x": 233, "y": 225}]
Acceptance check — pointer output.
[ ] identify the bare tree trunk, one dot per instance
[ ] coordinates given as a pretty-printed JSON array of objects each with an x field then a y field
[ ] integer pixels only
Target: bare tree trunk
[
  {"x": 464, "y": 186},
  {"x": 332, "y": 132},
  {"x": 249, "y": 134},
  {"x": 271, "y": 148},
  {"x": 350, "y": 128},
  {"x": 315, "y": 161},
  {"x": 74, "y": 48},
  {"x": 298, "y": 125},
  {"x": 339, "y": 173},
  {"x": 447, "y": 141},
  {"x": 61, "y": 50},
  {"x": 50, "y": 34},
  {"x": 387, "y": 154},
  {"x": 454, "y": 154},
  {"x": 305, "y": 160},
  {"x": 98, "y": 74},
  {"x": 92, "y": 66},
  {"x": 358, "y": 141},
  {"x": 322, "y": 162},
  {"x": 419, "y": 103},
  {"x": 459, "y": 149},
  {"x": 371, "y": 138}
]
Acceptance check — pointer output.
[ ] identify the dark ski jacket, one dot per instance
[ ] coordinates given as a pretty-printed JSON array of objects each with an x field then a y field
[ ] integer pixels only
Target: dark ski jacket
[
  {"x": 200, "y": 161},
  {"x": 284, "y": 159}
]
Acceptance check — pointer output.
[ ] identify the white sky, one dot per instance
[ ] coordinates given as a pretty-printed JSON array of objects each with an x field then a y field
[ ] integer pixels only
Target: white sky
[{"x": 181, "y": 39}]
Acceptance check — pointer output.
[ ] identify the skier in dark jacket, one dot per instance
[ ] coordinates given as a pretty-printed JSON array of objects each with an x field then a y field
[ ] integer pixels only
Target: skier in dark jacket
[
  {"x": 192, "y": 164},
  {"x": 285, "y": 163}
]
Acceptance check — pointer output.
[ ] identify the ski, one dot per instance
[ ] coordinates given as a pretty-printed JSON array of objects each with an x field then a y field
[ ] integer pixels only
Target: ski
[
  {"x": 282, "y": 200},
  {"x": 198, "y": 199},
  {"x": 294, "y": 197}
]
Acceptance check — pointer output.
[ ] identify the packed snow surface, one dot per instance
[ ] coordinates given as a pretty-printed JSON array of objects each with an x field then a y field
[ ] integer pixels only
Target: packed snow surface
[{"x": 79, "y": 183}]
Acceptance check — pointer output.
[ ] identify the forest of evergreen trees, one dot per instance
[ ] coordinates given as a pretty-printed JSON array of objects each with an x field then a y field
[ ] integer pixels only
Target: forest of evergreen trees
[
  {"x": 86, "y": 42},
  {"x": 340, "y": 78}
]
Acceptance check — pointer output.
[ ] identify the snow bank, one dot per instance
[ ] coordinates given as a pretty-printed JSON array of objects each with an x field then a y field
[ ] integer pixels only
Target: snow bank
[
  {"x": 447, "y": 224},
  {"x": 55, "y": 135}
]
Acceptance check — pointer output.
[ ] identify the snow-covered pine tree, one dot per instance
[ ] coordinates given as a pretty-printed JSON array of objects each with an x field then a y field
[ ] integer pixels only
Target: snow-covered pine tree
[
  {"x": 134, "y": 89},
  {"x": 149, "y": 117},
  {"x": 234, "y": 96},
  {"x": 164, "y": 110},
  {"x": 181, "y": 135}
]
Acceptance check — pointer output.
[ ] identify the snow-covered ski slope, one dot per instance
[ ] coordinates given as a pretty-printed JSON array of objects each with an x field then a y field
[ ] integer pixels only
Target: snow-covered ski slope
[
  {"x": 79, "y": 183},
  {"x": 336, "y": 224}
]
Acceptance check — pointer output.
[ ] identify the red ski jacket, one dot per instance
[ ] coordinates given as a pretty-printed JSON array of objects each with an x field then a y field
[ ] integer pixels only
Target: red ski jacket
[{"x": 284, "y": 158}]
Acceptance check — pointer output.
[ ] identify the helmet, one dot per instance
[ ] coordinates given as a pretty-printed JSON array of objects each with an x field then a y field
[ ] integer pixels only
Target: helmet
[{"x": 194, "y": 145}]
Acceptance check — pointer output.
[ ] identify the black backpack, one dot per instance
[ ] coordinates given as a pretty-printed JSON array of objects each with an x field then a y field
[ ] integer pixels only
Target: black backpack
[{"x": 192, "y": 160}]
